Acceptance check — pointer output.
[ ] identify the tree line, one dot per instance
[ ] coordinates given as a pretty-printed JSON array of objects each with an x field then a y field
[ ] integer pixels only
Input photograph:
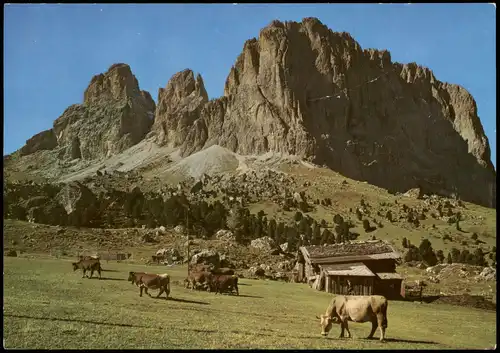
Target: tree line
[{"x": 425, "y": 252}]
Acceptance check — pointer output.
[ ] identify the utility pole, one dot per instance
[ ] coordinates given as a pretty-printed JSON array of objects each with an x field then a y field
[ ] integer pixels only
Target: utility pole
[
  {"x": 187, "y": 236},
  {"x": 493, "y": 195}
]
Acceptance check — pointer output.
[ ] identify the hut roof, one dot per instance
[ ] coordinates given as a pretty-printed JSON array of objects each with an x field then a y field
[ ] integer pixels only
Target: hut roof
[
  {"x": 351, "y": 269},
  {"x": 345, "y": 252}
]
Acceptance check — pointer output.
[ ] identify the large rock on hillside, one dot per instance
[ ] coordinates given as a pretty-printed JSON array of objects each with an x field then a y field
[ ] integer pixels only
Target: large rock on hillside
[
  {"x": 206, "y": 257},
  {"x": 80, "y": 204},
  {"x": 300, "y": 88},
  {"x": 45, "y": 140},
  {"x": 114, "y": 116},
  {"x": 263, "y": 243}
]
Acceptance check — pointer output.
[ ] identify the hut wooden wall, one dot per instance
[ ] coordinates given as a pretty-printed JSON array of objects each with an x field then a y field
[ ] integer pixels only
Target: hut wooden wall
[
  {"x": 360, "y": 285},
  {"x": 383, "y": 265},
  {"x": 390, "y": 288}
]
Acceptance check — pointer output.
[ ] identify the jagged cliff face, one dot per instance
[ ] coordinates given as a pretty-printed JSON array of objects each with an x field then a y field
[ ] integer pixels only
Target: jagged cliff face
[
  {"x": 179, "y": 105},
  {"x": 303, "y": 89},
  {"x": 299, "y": 89},
  {"x": 115, "y": 115}
]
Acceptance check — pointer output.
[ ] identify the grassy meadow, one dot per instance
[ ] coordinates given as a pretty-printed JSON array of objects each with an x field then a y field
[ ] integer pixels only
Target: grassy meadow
[{"x": 48, "y": 306}]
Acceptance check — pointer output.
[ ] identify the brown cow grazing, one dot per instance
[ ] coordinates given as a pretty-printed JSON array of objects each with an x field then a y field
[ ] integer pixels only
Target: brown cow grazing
[
  {"x": 87, "y": 257},
  {"x": 134, "y": 277},
  {"x": 88, "y": 265},
  {"x": 222, "y": 271},
  {"x": 151, "y": 281},
  {"x": 344, "y": 308},
  {"x": 198, "y": 278},
  {"x": 224, "y": 283}
]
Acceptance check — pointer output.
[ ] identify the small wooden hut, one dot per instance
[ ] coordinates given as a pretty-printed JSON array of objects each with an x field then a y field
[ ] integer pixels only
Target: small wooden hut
[{"x": 356, "y": 268}]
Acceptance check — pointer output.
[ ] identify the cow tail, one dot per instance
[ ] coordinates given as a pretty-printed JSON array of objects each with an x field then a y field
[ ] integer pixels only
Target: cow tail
[{"x": 384, "y": 313}]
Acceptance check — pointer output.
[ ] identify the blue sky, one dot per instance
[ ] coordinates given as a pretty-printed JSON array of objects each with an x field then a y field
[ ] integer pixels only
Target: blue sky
[{"x": 52, "y": 51}]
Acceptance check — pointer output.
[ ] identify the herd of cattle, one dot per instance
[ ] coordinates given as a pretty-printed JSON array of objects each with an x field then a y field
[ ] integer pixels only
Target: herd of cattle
[
  {"x": 342, "y": 309},
  {"x": 222, "y": 280}
]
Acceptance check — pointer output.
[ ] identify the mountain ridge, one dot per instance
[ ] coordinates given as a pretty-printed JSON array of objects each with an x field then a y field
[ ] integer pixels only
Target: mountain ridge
[{"x": 300, "y": 89}]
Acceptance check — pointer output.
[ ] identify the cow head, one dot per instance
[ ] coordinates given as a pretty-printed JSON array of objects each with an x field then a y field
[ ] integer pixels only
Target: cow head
[
  {"x": 326, "y": 322},
  {"x": 131, "y": 277},
  {"x": 75, "y": 266}
]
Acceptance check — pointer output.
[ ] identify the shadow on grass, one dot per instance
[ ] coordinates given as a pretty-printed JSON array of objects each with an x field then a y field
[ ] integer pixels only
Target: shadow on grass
[
  {"x": 111, "y": 279},
  {"x": 430, "y": 298},
  {"x": 105, "y": 278},
  {"x": 400, "y": 340},
  {"x": 179, "y": 300},
  {"x": 103, "y": 270},
  {"x": 392, "y": 340},
  {"x": 248, "y": 296},
  {"x": 75, "y": 320}
]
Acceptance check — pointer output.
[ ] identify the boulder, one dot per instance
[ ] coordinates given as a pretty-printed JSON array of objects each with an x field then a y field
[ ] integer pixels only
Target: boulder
[
  {"x": 281, "y": 276},
  {"x": 256, "y": 271},
  {"x": 488, "y": 274},
  {"x": 264, "y": 243},
  {"x": 207, "y": 257},
  {"x": 436, "y": 269},
  {"x": 224, "y": 234},
  {"x": 180, "y": 229},
  {"x": 79, "y": 202}
]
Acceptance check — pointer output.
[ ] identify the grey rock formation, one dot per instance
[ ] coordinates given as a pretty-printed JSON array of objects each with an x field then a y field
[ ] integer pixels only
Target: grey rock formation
[
  {"x": 301, "y": 89},
  {"x": 114, "y": 116},
  {"x": 305, "y": 90}
]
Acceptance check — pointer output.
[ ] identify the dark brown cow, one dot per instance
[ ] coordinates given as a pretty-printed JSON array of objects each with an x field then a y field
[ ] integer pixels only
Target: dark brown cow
[
  {"x": 88, "y": 265},
  {"x": 87, "y": 257},
  {"x": 224, "y": 283},
  {"x": 198, "y": 278},
  {"x": 223, "y": 271},
  {"x": 151, "y": 281}
]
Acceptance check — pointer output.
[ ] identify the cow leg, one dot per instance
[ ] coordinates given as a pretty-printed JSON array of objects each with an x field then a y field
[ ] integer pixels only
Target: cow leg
[
  {"x": 99, "y": 271},
  {"x": 381, "y": 326},
  {"x": 91, "y": 273},
  {"x": 374, "y": 328},
  {"x": 237, "y": 292},
  {"x": 140, "y": 289},
  {"x": 160, "y": 292},
  {"x": 83, "y": 270},
  {"x": 341, "y": 330},
  {"x": 167, "y": 290},
  {"x": 347, "y": 329},
  {"x": 146, "y": 291}
]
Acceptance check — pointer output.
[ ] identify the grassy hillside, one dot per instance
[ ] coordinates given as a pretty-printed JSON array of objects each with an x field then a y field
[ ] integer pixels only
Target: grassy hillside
[{"x": 48, "y": 306}]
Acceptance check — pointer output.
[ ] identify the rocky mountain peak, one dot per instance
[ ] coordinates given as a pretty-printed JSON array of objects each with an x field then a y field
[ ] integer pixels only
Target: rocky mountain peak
[
  {"x": 302, "y": 89},
  {"x": 299, "y": 88},
  {"x": 115, "y": 115},
  {"x": 116, "y": 84},
  {"x": 179, "y": 105}
]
